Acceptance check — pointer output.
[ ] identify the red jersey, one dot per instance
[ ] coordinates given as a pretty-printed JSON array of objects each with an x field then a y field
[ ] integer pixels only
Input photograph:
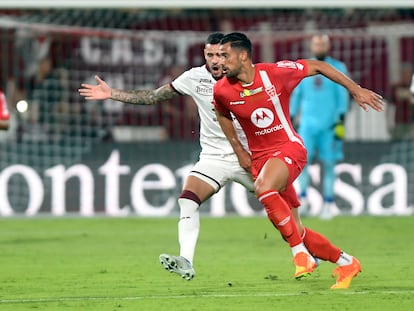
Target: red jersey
[
  {"x": 4, "y": 111},
  {"x": 262, "y": 107}
]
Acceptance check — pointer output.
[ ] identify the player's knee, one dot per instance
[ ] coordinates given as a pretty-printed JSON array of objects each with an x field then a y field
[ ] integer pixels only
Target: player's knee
[
  {"x": 261, "y": 186},
  {"x": 258, "y": 186}
]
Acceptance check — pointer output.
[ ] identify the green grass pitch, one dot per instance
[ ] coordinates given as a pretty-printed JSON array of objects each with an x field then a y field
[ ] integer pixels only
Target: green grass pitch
[{"x": 241, "y": 264}]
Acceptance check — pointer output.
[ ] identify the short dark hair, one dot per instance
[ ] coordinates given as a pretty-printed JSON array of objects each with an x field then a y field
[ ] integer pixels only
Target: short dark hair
[
  {"x": 238, "y": 40},
  {"x": 214, "y": 38}
]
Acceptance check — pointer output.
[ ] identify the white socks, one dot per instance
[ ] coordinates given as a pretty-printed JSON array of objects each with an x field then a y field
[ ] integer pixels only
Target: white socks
[
  {"x": 344, "y": 259},
  {"x": 299, "y": 248},
  {"x": 188, "y": 227}
]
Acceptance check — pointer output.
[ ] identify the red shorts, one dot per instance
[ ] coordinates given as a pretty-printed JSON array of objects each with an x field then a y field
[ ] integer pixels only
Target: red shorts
[{"x": 295, "y": 156}]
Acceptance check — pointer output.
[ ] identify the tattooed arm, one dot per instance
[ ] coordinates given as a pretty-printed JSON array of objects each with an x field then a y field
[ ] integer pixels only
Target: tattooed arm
[{"x": 137, "y": 97}]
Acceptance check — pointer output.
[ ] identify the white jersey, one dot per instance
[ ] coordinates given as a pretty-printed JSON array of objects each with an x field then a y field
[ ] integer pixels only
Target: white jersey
[{"x": 198, "y": 83}]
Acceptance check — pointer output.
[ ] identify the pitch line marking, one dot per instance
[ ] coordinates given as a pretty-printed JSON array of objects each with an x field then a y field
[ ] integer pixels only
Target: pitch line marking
[{"x": 65, "y": 299}]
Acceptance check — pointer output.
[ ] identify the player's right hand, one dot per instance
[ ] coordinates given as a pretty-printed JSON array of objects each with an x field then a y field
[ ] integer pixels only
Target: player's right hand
[
  {"x": 366, "y": 98},
  {"x": 95, "y": 92}
]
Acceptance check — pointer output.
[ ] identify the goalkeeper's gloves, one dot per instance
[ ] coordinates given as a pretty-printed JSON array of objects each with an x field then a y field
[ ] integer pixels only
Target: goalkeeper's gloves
[{"x": 339, "y": 128}]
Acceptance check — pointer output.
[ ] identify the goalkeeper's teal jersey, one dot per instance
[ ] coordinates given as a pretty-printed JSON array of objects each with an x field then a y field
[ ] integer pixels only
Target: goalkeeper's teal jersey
[{"x": 320, "y": 101}]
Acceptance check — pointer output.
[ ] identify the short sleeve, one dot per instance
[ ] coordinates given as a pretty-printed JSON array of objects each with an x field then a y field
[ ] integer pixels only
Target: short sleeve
[
  {"x": 182, "y": 83},
  {"x": 218, "y": 102},
  {"x": 292, "y": 72}
]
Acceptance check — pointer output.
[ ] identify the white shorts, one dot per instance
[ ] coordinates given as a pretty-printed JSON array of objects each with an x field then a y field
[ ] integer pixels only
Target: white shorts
[{"x": 218, "y": 172}]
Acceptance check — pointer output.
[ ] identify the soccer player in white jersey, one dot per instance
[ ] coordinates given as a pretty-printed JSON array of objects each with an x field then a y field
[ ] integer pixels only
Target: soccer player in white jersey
[{"x": 217, "y": 165}]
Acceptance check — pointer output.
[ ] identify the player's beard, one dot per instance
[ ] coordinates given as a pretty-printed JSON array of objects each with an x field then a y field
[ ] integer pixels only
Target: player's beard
[
  {"x": 230, "y": 74},
  {"x": 233, "y": 73}
]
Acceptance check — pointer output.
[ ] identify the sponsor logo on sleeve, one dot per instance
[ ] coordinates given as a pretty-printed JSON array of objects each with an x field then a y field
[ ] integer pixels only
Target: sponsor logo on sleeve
[{"x": 289, "y": 64}]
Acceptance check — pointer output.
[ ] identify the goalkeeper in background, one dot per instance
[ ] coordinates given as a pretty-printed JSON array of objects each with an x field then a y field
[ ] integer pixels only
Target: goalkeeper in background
[{"x": 319, "y": 106}]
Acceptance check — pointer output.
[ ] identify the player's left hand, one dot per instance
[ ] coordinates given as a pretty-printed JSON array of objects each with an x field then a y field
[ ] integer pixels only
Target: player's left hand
[{"x": 367, "y": 98}]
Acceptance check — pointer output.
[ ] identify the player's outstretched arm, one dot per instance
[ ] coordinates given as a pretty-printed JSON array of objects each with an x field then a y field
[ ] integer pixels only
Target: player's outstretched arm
[
  {"x": 138, "y": 97},
  {"x": 364, "y": 97}
]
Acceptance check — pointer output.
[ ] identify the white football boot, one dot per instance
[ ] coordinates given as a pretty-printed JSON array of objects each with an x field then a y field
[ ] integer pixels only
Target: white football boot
[{"x": 179, "y": 265}]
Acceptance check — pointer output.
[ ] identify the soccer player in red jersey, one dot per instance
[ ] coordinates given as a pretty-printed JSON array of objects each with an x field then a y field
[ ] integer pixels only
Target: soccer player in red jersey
[
  {"x": 4, "y": 112},
  {"x": 258, "y": 96}
]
